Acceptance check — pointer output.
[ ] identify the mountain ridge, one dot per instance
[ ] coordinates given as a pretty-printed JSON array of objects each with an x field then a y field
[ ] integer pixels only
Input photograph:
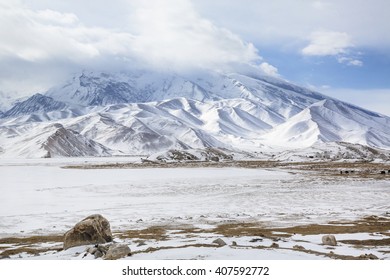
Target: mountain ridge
[{"x": 148, "y": 112}]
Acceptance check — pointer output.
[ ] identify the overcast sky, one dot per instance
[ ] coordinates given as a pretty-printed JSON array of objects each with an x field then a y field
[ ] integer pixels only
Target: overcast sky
[{"x": 341, "y": 48}]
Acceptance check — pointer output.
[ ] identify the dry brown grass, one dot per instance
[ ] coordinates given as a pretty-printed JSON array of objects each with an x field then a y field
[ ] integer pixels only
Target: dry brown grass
[
  {"x": 362, "y": 169},
  {"x": 19, "y": 245},
  {"x": 157, "y": 233}
]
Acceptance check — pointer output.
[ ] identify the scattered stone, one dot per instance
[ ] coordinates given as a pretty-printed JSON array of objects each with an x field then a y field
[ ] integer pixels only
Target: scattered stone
[
  {"x": 329, "y": 240},
  {"x": 383, "y": 172},
  {"x": 368, "y": 257},
  {"x": 92, "y": 250},
  {"x": 298, "y": 247},
  {"x": 274, "y": 245},
  {"x": 234, "y": 243},
  {"x": 141, "y": 243},
  {"x": 117, "y": 251},
  {"x": 108, "y": 252},
  {"x": 103, "y": 248},
  {"x": 216, "y": 159},
  {"x": 219, "y": 242},
  {"x": 94, "y": 229},
  {"x": 256, "y": 240},
  {"x": 98, "y": 254}
]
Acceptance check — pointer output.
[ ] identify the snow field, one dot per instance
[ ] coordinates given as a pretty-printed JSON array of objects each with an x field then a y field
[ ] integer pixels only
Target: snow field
[{"x": 44, "y": 199}]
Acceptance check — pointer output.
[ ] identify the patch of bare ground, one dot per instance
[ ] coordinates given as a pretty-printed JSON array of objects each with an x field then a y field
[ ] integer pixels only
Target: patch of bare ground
[
  {"x": 178, "y": 164},
  {"x": 154, "y": 249},
  {"x": 368, "y": 224},
  {"x": 359, "y": 169},
  {"x": 157, "y": 233},
  {"x": 31, "y": 245},
  {"x": 28, "y": 245},
  {"x": 368, "y": 242}
]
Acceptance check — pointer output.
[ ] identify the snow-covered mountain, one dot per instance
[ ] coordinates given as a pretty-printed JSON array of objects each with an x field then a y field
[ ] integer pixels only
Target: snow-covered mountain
[{"x": 144, "y": 112}]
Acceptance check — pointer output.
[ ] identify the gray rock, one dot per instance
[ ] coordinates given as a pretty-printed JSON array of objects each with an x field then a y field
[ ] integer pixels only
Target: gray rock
[
  {"x": 141, "y": 243},
  {"x": 256, "y": 240},
  {"x": 219, "y": 242},
  {"x": 92, "y": 250},
  {"x": 329, "y": 240},
  {"x": 117, "y": 251},
  {"x": 103, "y": 248},
  {"x": 98, "y": 254},
  {"x": 368, "y": 257},
  {"x": 298, "y": 247},
  {"x": 94, "y": 229}
]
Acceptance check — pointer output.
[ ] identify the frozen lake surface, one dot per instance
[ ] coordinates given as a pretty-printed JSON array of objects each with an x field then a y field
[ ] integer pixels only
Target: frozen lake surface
[{"x": 41, "y": 197}]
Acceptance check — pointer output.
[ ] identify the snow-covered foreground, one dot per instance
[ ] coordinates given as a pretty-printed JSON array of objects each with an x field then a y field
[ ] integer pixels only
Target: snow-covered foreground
[{"x": 42, "y": 198}]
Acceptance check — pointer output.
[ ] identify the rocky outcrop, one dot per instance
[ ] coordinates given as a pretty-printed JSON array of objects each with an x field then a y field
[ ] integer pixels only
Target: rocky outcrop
[{"x": 94, "y": 229}]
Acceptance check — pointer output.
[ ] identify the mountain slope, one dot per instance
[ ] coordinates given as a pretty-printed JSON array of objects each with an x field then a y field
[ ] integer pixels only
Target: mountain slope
[
  {"x": 332, "y": 121},
  {"x": 143, "y": 112}
]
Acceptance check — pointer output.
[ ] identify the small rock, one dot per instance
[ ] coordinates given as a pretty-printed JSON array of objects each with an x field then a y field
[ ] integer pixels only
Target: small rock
[
  {"x": 329, "y": 240},
  {"x": 298, "y": 247},
  {"x": 368, "y": 257},
  {"x": 234, "y": 243},
  {"x": 256, "y": 240},
  {"x": 92, "y": 250},
  {"x": 117, "y": 251},
  {"x": 220, "y": 242},
  {"x": 103, "y": 248},
  {"x": 141, "y": 243},
  {"x": 98, "y": 254},
  {"x": 274, "y": 245}
]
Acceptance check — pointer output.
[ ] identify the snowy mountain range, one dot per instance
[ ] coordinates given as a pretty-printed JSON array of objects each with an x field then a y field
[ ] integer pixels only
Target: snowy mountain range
[{"x": 147, "y": 112}]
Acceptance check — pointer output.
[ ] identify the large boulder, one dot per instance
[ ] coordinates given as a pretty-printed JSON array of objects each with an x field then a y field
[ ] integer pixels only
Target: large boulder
[{"x": 94, "y": 229}]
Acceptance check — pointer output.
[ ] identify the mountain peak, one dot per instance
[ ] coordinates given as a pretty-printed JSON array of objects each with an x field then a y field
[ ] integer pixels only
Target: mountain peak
[{"x": 143, "y": 112}]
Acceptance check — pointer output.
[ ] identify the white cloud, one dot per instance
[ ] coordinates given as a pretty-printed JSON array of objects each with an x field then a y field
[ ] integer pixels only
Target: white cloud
[
  {"x": 350, "y": 61},
  {"x": 287, "y": 24},
  {"x": 164, "y": 34},
  {"x": 323, "y": 43},
  {"x": 331, "y": 43},
  {"x": 269, "y": 69},
  {"x": 177, "y": 36},
  {"x": 56, "y": 17}
]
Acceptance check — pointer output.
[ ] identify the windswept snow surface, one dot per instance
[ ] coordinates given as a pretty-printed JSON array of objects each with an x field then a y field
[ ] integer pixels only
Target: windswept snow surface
[{"x": 41, "y": 198}]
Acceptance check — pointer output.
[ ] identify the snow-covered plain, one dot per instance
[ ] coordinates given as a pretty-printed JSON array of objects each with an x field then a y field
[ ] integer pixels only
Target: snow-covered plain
[{"x": 40, "y": 197}]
